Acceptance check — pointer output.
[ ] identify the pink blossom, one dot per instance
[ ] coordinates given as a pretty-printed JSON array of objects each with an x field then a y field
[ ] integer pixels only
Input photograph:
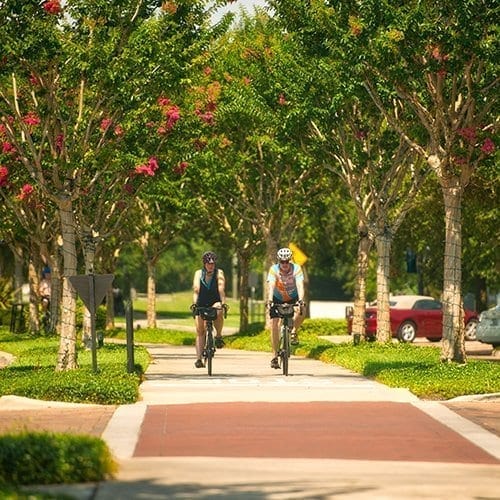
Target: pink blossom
[
  {"x": 164, "y": 101},
  {"x": 281, "y": 100},
  {"x": 207, "y": 117},
  {"x": 181, "y": 167},
  {"x": 34, "y": 80},
  {"x": 173, "y": 114},
  {"x": 129, "y": 188},
  {"x": 7, "y": 148},
  {"x": 31, "y": 119},
  {"x": 119, "y": 130},
  {"x": 105, "y": 124},
  {"x": 459, "y": 160},
  {"x": 26, "y": 191},
  {"x": 3, "y": 129},
  {"x": 52, "y": 6},
  {"x": 148, "y": 168},
  {"x": 246, "y": 80},
  {"x": 4, "y": 174},
  {"x": 59, "y": 141},
  {"x": 468, "y": 133},
  {"x": 207, "y": 70},
  {"x": 161, "y": 130},
  {"x": 488, "y": 146}
]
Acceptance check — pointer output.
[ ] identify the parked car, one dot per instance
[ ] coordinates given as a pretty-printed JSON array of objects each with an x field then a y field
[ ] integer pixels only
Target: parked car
[
  {"x": 414, "y": 316},
  {"x": 488, "y": 328}
]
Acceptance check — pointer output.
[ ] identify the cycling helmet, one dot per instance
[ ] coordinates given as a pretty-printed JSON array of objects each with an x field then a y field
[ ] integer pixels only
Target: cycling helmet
[
  {"x": 284, "y": 254},
  {"x": 209, "y": 257}
]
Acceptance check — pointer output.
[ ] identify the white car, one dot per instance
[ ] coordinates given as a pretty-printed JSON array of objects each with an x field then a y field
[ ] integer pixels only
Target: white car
[{"x": 488, "y": 328}]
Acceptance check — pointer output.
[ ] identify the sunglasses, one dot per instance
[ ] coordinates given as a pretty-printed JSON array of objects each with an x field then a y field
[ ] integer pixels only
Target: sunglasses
[{"x": 284, "y": 262}]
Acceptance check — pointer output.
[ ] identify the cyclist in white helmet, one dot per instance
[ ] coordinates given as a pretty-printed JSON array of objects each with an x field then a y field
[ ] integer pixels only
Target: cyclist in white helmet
[{"x": 285, "y": 281}]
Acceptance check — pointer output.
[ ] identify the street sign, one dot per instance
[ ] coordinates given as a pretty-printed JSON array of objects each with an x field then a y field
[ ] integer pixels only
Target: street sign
[
  {"x": 83, "y": 284},
  {"x": 299, "y": 257}
]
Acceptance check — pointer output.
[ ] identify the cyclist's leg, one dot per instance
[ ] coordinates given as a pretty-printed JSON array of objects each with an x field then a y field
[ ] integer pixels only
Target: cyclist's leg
[
  {"x": 298, "y": 319},
  {"x": 218, "y": 324},
  {"x": 275, "y": 338},
  {"x": 200, "y": 336}
]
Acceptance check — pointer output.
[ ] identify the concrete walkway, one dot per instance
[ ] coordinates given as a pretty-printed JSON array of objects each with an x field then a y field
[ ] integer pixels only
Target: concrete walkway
[
  {"x": 323, "y": 432},
  {"x": 247, "y": 432}
]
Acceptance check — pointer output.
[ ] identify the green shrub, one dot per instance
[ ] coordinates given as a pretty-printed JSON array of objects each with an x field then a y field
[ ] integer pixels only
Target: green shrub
[
  {"x": 33, "y": 373},
  {"x": 53, "y": 458},
  {"x": 324, "y": 327}
]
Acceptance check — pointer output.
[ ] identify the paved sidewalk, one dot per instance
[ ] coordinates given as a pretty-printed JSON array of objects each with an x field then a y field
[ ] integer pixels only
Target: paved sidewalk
[{"x": 248, "y": 432}]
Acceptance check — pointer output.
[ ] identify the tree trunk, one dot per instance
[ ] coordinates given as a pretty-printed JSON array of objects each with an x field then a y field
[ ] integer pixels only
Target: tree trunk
[
  {"x": 244, "y": 287},
  {"x": 453, "y": 343},
  {"x": 67, "y": 357},
  {"x": 34, "y": 281},
  {"x": 364, "y": 247},
  {"x": 151, "y": 309},
  {"x": 383, "y": 243}
]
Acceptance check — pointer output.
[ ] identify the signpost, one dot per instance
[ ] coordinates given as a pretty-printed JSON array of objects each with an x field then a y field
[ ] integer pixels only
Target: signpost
[
  {"x": 92, "y": 289},
  {"x": 299, "y": 257}
]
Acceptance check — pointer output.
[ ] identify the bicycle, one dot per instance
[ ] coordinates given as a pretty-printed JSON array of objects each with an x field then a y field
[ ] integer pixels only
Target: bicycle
[
  {"x": 286, "y": 313},
  {"x": 209, "y": 314}
]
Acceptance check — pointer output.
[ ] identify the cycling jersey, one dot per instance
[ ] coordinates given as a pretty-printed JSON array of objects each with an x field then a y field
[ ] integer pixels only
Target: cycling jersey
[
  {"x": 208, "y": 287},
  {"x": 285, "y": 284}
]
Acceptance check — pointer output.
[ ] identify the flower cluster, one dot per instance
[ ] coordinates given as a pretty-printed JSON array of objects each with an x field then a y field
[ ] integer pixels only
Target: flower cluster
[
  {"x": 31, "y": 119},
  {"x": 148, "y": 168},
  {"x": 52, "y": 6},
  {"x": 172, "y": 114},
  {"x": 4, "y": 175},
  {"x": 181, "y": 167},
  {"x": 26, "y": 191}
]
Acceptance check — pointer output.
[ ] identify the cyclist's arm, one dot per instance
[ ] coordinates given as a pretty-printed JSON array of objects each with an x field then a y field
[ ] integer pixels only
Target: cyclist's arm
[
  {"x": 196, "y": 286},
  {"x": 299, "y": 282},
  {"x": 271, "y": 283}
]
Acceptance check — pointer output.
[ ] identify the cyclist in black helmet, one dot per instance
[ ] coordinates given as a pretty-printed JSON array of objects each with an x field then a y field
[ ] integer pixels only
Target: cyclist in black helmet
[{"x": 208, "y": 291}]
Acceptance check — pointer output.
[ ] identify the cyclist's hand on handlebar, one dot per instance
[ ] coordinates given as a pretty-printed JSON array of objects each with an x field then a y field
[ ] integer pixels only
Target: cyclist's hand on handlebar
[
  {"x": 225, "y": 308},
  {"x": 193, "y": 309}
]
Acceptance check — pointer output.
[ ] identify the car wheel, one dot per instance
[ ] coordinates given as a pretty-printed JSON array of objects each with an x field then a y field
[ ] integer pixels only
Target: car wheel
[
  {"x": 470, "y": 329},
  {"x": 407, "y": 331}
]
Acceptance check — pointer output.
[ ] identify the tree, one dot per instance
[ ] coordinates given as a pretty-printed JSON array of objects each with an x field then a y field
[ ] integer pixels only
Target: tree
[
  {"x": 75, "y": 105},
  {"x": 439, "y": 59}
]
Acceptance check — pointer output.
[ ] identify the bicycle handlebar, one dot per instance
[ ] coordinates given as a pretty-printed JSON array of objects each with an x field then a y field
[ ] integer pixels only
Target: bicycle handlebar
[{"x": 195, "y": 308}]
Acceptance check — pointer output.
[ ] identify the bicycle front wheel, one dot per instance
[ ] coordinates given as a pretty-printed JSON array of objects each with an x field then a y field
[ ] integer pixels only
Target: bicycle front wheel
[
  {"x": 209, "y": 350},
  {"x": 285, "y": 349}
]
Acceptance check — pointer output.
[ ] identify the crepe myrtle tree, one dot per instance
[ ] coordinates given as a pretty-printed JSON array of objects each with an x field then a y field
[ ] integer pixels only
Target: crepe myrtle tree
[
  {"x": 257, "y": 175},
  {"x": 439, "y": 59},
  {"x": 70, "y": 95}
]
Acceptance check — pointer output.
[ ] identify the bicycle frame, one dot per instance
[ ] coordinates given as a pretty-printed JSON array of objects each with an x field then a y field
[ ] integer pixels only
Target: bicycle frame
[
  {"x": 209, "y": 314},
  {"x": 286, "y": 313}
]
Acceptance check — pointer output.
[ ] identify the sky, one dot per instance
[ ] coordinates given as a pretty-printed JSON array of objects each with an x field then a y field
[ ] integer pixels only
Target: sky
[{"x": 236, "y": 6}]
